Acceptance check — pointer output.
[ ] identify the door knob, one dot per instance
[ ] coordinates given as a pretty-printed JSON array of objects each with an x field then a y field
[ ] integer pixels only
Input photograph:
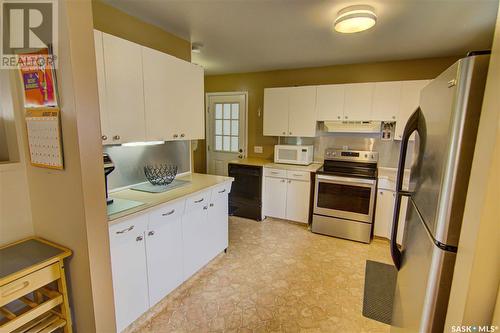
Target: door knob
[{"x": 240, "y": 150}]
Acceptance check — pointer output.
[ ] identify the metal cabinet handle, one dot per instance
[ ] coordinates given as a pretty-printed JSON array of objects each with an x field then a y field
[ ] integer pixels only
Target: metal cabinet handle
[
  {"x": 282, "y": 180},
  {"x": 297, "y": 175},
  {"x": 338, "y": 117},
  {"x": 168, "y": 213},
  {"x": 125, "y": 230},
  {"x": 274, "y": 172},
  {"x": 104, "y": 137},
  {"x": 211, "y": 205},
  {"x": 381, "y": 193},
  {"x": 290, "y": 133},
  {"x": 176, "y": 136},
  {"x": 289, "y": 181},
  {"x": 205, "y": 207},
  {"x": 198, "y": 201},
  {"x": 139, "y": 238},
  {"x": 116, "y": 137},
  {"x": 224, "y": 190},
  {"x": 393, "y": 117},
  {"x": 151, "y": 233},
  {"x": 284, "y": 133},
  {"x": 183, "y": 135}
]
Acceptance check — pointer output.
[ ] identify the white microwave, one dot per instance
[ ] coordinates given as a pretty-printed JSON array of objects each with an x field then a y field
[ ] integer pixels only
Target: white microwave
[{"x": 290, "y": 154}]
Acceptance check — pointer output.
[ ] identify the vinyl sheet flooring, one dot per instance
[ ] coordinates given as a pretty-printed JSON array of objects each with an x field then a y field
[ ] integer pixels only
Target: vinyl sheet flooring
[{"x": 276, "y": 277}]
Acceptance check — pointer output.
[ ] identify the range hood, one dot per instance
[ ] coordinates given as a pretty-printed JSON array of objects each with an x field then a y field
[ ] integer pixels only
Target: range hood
[{"x": 352, "y": 126}]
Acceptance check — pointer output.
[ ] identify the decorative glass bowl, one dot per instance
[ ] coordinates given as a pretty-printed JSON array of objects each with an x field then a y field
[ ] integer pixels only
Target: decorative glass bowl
[{"x": 160, "y": 174}]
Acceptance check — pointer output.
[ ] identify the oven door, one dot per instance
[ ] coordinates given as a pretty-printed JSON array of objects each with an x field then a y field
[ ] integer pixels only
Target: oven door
[{"x": 344, "y": 197}]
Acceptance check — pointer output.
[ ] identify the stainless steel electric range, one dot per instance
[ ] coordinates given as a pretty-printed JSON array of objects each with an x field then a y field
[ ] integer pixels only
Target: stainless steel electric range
[{"x": 344, "y": 194}]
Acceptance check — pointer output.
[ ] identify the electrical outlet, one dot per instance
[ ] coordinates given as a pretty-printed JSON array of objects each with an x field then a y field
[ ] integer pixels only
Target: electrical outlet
[{"x": 258, "y": 149}]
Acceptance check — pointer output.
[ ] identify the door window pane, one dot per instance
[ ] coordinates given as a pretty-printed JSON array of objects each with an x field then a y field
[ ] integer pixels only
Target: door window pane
[
  {"x": 235, "y": 111},
  {"x": 234, "y": 144},
  {"x": 218, "y": 111},
  {"x": 218, "y": 142},
  {"x": 226, "y": 143},
  {"x": 227, "y": 127},
  {"x": 227, "y": 111},
  {"x": 234, "y": 127},
  {"x": 218, "y": 127}
]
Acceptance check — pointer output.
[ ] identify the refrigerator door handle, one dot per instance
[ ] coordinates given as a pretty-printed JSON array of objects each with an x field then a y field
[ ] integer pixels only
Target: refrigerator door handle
[{"x": 411, "y": 126}]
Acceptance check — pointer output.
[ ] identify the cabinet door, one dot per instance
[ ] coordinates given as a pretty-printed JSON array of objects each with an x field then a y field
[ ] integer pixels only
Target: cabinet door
[
  {"x": 302, "y": 114},
  {"x": 194, "y": 237},
  {"x": 164, "y": 250},
  {"x": 129, "y": 271},
  {"x": 383, "y": 213},
  {"x": 330, "y": 102},
  {"x": 386, "y": 100},
  {"x": 101, "y": 87},
  {"x": 275, "y": 197},
  {"x": 218, "y": 220},
  {"x": 124, "y": 89},
  {"x": 410, "y": 100},
  {"x": 276, "y": 102},
  {"x": 160, "y": 90},
  {"x": 358, "y": 101},
  {"x": 191, "y": 114},
  {"x": 297, "y": 200}
]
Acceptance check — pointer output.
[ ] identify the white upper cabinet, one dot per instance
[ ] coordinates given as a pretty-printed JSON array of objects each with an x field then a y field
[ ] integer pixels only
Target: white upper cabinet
[
  {"x": 159, "y": 87},
  {"x": 386, "y": 101},
  {"x": 145, "y": 94},
  {"x": 276, "y": 102},
  {"x": 358, "y": 101},
  {"x": 302, "y": 117},
  {"x": 410, "y": 99},
  {"x": 124, "y": 89},
  {"x": 101, "y": 86},
  {"x": 290, "y": 111},
  {"x": 330, "y": 102}
]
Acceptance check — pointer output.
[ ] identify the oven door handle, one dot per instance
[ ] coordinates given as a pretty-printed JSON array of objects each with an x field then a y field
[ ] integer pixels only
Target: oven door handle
[{"x": 347, "y": 179}]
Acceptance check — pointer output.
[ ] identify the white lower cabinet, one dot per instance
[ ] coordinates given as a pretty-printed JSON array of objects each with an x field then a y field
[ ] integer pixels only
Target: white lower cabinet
[
  {"x": 164, "y": 250},
  {"x": 286, "y": 195},
  {"x": 155, "y": 252},
  {"x": 128, "y": 264},
  {"x": 194, "y": 229},
  {"x": 384, "y": 212}
]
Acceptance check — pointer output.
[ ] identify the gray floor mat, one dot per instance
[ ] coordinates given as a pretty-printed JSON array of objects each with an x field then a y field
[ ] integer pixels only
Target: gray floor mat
[{"x": 380, "y": 284}]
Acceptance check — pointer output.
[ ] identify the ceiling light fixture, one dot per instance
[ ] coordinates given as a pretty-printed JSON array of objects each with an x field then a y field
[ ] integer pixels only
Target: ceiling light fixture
[{"x": 355, "y": 19}]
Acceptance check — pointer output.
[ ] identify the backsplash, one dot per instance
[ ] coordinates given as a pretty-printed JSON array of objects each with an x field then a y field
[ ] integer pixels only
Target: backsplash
[
  {"x": 130, "y": 161},
  {"x": 388, "y": 150}
]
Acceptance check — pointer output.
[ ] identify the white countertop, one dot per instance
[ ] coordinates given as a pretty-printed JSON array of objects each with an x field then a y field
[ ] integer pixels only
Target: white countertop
[
  {"x": 387, "y": 178},
  {"x": 198, "y": 182},
  {"x": 255, "y": 161}
]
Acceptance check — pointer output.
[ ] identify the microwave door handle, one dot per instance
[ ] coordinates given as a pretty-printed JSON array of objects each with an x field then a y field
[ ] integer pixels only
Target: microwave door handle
[{"x": 411, "y": 126}]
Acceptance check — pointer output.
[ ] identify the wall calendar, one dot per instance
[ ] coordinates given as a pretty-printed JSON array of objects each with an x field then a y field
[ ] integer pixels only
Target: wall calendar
[{"x": 44, "y": 137}]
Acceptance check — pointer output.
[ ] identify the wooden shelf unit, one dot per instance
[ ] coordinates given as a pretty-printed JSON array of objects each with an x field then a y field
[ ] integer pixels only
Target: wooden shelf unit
[{"x": 33, "y": 292}]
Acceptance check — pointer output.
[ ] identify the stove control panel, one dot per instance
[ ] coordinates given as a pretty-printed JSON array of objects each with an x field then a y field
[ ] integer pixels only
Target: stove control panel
[{"x": 351, "y": 155}]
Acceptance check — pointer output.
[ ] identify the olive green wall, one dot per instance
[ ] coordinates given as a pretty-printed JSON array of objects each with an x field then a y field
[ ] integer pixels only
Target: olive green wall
[
  {"x": 254, "y": 84},
  {"x": 115, "y": 22}
]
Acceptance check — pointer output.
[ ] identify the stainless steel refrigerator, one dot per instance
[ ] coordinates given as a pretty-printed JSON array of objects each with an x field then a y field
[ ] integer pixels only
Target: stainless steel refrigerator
[{"x": 446, "y": 123}]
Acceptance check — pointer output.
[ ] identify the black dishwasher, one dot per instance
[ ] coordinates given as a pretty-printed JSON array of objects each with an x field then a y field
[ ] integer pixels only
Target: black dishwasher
[{"x": 245, "y": 198}]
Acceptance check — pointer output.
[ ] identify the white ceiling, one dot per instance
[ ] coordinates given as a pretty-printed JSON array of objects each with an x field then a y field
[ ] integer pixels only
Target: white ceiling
[{"x": 257, "y": 35}]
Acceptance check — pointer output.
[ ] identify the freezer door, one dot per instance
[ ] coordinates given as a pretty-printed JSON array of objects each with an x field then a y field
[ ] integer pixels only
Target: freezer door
[
  {"x": 450, "y": 108},
  {"x": 423, "y": 282}
]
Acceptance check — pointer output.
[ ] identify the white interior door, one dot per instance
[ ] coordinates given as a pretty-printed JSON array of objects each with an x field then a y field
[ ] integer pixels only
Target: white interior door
[{"x": 226, "y": 131}]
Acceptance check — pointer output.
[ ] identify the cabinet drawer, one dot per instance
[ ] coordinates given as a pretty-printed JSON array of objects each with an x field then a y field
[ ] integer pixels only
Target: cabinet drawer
[
  {"x": 274, "y": 172},
  {"x": 221, "y": 190},
  {"x": 198, "y": 201},
  {"x": 298, "y": 175},
  {"x": 137, "y": 224},
  {"x": 166, "y": 213},
  {"x": 28, "y": 283}
]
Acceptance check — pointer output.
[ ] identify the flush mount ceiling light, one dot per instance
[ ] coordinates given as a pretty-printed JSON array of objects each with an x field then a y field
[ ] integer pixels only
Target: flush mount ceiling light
[{"x": 355, "y": 19}]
